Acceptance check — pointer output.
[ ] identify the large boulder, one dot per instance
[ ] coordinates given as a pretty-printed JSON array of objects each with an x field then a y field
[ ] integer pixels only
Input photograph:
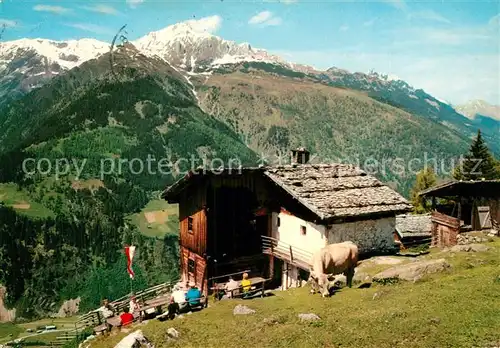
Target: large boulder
[
  {"x": 412, "y": 271},
  {"x": 135, "y": 340},
  {"x": 469, "y": 248}
]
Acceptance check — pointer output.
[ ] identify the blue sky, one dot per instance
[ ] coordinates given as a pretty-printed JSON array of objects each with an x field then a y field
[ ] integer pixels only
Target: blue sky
[{"x": 451, "y": 49}]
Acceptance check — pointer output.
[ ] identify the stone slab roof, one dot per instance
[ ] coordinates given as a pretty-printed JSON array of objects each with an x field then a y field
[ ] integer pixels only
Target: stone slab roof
[
  {"x": 330, "y": 191},
  {"x": 410, "y": 225},
  {"x": 337, "y": 190}
]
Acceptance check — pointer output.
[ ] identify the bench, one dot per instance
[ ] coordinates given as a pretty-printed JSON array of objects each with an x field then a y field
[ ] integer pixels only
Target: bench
[{"x": 239, "y": 292}]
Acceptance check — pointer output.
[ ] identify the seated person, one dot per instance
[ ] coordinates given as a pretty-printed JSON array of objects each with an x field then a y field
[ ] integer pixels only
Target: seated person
[
  {"x": 246, "y": 284},
  {"x": 106, "y": 309},
  {"x": 179, "y": 296},
  {"x": 126, "y": 318},
  {"x": 173, "y": 309},
  {"x": 231, "y": 287},
  {"x": 193, "y": 296},
  {"x": 133, "y": 304}
]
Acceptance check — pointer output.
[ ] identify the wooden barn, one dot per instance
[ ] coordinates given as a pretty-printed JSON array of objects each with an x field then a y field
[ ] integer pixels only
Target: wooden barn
[
  {"x": 472, "y": 206},
  {"x": 271, "y": 219}
]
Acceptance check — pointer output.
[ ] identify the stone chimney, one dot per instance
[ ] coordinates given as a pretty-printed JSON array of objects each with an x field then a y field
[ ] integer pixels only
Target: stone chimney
[{"x": 300, "y": 156}]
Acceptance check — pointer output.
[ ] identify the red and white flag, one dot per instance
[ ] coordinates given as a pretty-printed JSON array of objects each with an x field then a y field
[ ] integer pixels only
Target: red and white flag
[{"x": 130, "y": 252}]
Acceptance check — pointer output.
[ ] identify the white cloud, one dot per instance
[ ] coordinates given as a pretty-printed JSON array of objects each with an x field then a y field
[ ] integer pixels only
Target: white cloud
[
  {"x": 53, "y": 9},
  {"x": 273, "y": 22},
  {"x": 206, "y": 24},
  {"x": 344, "y": 28},
  {"x": 104, "y": 9},
  {"x": 429, "y": 15},
  {"x": 7, "y": 23},
  {"x": 265, "y": 18},
  {"x": 134, "y": 3},
  {"x": 92, "y": 28},
  {"x": 260, "y": 17}
]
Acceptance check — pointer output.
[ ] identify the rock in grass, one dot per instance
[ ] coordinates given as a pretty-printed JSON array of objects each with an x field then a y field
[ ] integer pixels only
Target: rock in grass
[
  {"x": 308, "y": 317},
  {"x": 412, "y": 271},
  {"x": 172, "y": 333},
  {"x": 435, "y": 320},
  {"x": 134, "y": 340},
  {"x": 242, "y": 310},
  {"x": 469, "y": 248},
  {"x": 274, "y": 320}
]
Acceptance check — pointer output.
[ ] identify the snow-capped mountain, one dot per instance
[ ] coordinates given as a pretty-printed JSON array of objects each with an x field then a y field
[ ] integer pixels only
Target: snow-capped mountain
[
  {"x": 191, "y": 48},
  {"x": 479, "y": 107},
  {"x": 29, "y": 63}
]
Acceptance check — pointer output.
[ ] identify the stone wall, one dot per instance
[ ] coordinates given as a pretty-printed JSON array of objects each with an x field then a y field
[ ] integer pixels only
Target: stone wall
[{"x": 371, "y": 236}]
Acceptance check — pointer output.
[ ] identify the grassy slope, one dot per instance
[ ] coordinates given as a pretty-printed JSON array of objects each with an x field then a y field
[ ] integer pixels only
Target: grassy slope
[
  {"x": 19, "y": 330},
  {"x": 7, "y": 329},
  {"x": 21, "y": 202},
  {"x": 159, "y": 228},
  {"x": 458, "y": 308}
]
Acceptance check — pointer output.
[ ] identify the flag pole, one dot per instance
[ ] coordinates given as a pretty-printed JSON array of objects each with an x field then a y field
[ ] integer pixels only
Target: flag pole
[{"x": 130, "y": 253}]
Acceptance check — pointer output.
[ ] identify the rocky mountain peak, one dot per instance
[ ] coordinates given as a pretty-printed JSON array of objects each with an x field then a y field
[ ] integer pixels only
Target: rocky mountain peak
[
  {"x": 479, "y": 107},
  {"x": 191, "y": 46}
]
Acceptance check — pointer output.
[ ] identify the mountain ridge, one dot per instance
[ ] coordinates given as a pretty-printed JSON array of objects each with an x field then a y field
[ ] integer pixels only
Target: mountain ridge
[
  {"x": 194, "y": 51},
  {"x": 478, "y": 107}
]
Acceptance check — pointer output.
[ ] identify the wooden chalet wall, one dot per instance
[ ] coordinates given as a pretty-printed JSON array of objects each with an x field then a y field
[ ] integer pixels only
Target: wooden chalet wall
[
  {"x": 193, "y": 242},
  {"x": 232, "y": 202},
  {"x": 217, "y": 208},
  {"x": 199, "y": 276},
  {"x": 445, "y": 230},
  {"x": 495, "y": 213}
]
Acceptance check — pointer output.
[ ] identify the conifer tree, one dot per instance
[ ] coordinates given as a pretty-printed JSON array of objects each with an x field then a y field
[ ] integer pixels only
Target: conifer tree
[
  {"x": 478, "y": 163},
  {"x": 425, "y": 179}
]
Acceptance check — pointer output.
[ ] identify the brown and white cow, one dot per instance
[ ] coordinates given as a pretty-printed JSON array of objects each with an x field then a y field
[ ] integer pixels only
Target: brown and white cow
[{"x": 332, "y": 260}]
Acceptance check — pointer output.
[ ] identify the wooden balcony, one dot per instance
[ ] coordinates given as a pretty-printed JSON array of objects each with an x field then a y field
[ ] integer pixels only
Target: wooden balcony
[{"x": 286, "y": 252}]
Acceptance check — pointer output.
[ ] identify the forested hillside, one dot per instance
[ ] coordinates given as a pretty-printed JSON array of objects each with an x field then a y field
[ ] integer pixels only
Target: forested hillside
[
  {"x": 274, "y": 109},
  {"x": 88, "y": 117}
]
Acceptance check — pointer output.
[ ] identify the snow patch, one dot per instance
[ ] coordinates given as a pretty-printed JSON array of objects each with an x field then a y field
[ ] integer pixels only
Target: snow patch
[
  {"x": 83, "y": 50},
  {"x": 433, "y": 103}
]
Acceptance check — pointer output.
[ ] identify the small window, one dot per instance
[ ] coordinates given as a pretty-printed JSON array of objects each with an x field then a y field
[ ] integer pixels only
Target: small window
[
  {"x": 278, "y": 222},
  {"x": 303, "y": 230},
  {"x": 191, "y": 266},
  {"x": 190, "y": 224}
]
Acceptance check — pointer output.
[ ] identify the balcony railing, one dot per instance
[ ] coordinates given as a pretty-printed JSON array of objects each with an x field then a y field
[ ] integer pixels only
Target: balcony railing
[{"x": 287, "y": 252}]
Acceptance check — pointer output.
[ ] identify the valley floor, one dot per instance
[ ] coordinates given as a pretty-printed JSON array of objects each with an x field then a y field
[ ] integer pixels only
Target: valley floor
[{"x": 457, "y": 308}]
